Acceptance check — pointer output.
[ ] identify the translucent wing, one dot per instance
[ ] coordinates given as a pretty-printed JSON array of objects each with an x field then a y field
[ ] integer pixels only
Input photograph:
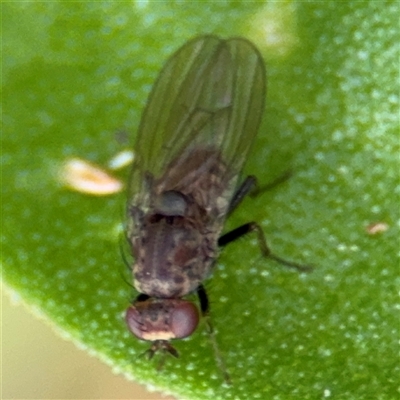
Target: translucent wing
[{"x": 206, "y": 104}]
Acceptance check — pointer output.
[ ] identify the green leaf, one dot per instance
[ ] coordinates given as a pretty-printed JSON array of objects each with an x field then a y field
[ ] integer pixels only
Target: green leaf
[{"x": 74, "y": 74}]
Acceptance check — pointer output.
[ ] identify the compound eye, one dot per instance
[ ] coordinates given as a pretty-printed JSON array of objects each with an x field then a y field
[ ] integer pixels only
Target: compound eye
[
  {"x": 184, "y": 319},
  {"x": 135, "y": 322}
]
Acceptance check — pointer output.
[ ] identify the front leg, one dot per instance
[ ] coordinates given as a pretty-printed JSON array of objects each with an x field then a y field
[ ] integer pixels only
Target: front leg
[{"x": 205, "y": 309}]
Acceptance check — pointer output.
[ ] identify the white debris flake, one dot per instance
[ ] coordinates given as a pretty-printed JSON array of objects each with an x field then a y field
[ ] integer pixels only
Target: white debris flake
[{"x": 84, "y": 177}]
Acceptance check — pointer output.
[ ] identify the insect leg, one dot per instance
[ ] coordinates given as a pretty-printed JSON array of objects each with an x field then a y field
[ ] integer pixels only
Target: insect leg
[
  {"x": 205, "y": 308},
  {"x": 251, "y": 187},
  {"x": 203, "y": 299},
  {"x": 265, "y": 250},
  {"x": 247, "y": 185},
  {"x": 276, "y": 182}
]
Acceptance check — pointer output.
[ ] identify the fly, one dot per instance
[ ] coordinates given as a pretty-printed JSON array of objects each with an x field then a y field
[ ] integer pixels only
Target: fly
[{"x": 196, "y": 131}]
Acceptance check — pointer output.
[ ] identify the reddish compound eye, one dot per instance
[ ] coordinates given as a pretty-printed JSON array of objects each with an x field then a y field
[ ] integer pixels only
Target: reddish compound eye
[
  {"x": 184, "y": 319},
  {"x": 134, "y": 321},
  {"x": 162, "y": 319}
]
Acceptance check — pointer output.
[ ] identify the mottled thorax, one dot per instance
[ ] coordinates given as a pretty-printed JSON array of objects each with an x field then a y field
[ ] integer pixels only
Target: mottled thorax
[{"x": 172, "y": 257}]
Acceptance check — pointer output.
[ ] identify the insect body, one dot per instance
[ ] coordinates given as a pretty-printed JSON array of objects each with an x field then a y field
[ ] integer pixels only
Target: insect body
[{"x": 195, "y": 134}]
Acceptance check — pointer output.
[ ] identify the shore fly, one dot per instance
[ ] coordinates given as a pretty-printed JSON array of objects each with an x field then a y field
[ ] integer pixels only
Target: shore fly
[{"x": 195, "y": 134}]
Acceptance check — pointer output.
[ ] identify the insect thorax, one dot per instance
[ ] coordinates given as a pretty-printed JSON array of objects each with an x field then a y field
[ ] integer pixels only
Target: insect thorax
[{"x": 172, "y": 258}]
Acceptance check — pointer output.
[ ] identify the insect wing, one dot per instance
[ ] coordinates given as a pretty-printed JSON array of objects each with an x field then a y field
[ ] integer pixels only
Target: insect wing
[{"x": 209, "y": 95}]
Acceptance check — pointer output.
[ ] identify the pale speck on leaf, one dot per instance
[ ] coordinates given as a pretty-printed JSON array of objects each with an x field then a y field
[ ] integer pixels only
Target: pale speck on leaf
[{"x": 82, "y": 176}]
